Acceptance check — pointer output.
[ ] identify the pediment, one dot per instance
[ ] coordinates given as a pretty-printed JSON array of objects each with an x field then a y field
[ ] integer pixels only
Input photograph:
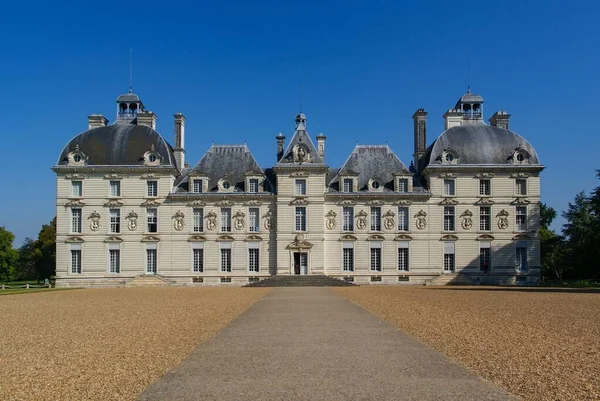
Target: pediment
[
  {"x": 520, "y": 201},
  {"x": 224, "y": 202},
  {"x": 448, "y": 201},
  {"x": 253, "y": 203},
  {"x": 74, "y": 202},
  {"x": 224, "y": 238},
  {"x": 113, "y": 176},
  {"x": 375, "y": 202},
  {"x": 520, "y": 175},
  {"x": 114, "y": 202},
  {"x": 485, "y": 175},
  {"x": 150, "y": 238},
  {"x": 484, "y": 201},
  {"x": 402, "y": 202},
  {"x": 75, "y": 177},
  {"x": 520, "y": 237},
  {"x": 299, "y": 201},
  {"x": 253, "y": 238},
  {"x": 375, "y": 237},
  {"x": 150, "y": 203},
  {"x": 197, "y": 238},
  {"x": 299, "y": 173},
  {"x": 74, "y": 240},
  {"x": 197, "y": 202},
  {"x": 148, "y": 175},
  {"x": 449, "y": 237},
  {"x": 448, "y": 175},
  {"x": 113, "y": 239},
  {"x": 403, "y": 237},
  {"x": 348, "y": 237},
  {"x": 346, "y": 203},
  {"x": 485, "y": 237}
]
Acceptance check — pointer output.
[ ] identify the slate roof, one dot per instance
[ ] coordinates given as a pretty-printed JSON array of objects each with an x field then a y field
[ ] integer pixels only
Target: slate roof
[
  {"x": 300, "y": 136},
  {"x": 129, "y": 98},
  {"x": 119, "y": 145},
  {"x": 477, "y": 144},
  {"x": 372, "y": 162}
]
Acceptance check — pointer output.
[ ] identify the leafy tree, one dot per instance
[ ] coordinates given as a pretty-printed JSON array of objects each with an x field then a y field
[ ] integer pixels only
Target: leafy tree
[
  {"x": 45, "y": 250},
  {"x": 26, "y": 264},
  {"x": 8, "y": 255},
  {"x": 552, "y": 246}
]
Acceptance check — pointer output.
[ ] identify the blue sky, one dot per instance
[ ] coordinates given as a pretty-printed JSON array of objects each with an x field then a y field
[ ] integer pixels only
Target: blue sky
[{"x": 235, "y": 70}]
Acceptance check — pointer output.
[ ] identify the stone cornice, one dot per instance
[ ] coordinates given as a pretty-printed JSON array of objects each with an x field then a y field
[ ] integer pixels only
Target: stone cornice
[
  {"x": 431, "y": 170},
  {"x": 129, "y": 170},
  {"x": 379, "y": 196}
]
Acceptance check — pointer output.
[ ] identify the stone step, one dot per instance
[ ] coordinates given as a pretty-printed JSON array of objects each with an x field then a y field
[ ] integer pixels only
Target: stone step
[
  {"x": 148, "y": 280},
  {"x": 300, "y": 281},
  {"x": 451, "y": 279}
]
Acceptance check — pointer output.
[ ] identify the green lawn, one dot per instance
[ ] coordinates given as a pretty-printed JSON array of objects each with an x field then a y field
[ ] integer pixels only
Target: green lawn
[{"x": 26, "y": 291}]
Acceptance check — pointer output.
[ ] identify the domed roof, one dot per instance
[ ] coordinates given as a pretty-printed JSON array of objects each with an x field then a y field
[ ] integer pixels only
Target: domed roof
[
  {"x": 119, "y": 145},
  {"x": 128, "y": 98},
  {"x": 476, "y": 144}
]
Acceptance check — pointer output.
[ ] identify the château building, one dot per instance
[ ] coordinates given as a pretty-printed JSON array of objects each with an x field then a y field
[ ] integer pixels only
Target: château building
[{"x": 130, "y": 208}]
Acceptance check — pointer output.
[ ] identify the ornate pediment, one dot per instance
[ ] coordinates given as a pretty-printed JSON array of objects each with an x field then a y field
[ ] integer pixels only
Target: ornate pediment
[
  {"x": 150, "y": 203},
  {"x": 75, "y": 177},
  {"x": 224, "y": 202},
  {"x": 485, "y": 237},
  {"x": 348, "y": 237},
  {"x": 113, "y": 176},
  {"x": 114, "y": 202},
  {"x": 449, "y": 237},
  {"x": 197, "y": 202},
  {"x": 197, "y": 238},
  {"x": 402, "y": 202},
  {"x": 521, "y": 237},
  {"x": 402, "y": 237},
  {"x": 253, "y": 238},
  {"x": 375, "y": 237},
  {"x": 74, "y": 240},
  {"x": 299, "y": 173},
  {"x": 448, "y": 201},
  {"x": 484, "y": 201},
  {"x": 113, "y": 239},
  {"x": 448, "y": 175},
  {"x": 299, "y": 201},
  {"x": 224, "y": 238},
  {"x": 252, "y": 203},
  {"x": 74, "y": 202},
  {"x": 374, "y": 202},
  {"x": 520, "y": 201},
  {"x": 148, "y": 175},
  {"x": 520, "y": 175},
  {"x": 389, "y": 214},
  {"x": 150, "y": 238},
  {"x": 300, "y": 243},
  {"x": 485, "y": 175},
  {"x": 346, "y": 202}
]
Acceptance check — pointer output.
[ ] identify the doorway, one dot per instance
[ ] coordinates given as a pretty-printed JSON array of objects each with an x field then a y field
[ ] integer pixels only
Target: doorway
[{"x": 300, "y": 263}]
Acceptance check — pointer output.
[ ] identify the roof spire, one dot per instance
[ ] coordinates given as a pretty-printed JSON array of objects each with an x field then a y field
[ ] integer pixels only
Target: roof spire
[{"x": 130, "y": 70}]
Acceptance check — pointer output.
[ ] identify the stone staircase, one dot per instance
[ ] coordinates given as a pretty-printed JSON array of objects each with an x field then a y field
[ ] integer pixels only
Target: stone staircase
[
  {"x": 148, "y": 280},
  {"x": 451, "y": 279},
  {"x": 300, "y": 281}
]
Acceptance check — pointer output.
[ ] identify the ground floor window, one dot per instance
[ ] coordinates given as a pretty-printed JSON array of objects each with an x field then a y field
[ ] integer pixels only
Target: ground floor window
[
  {"x": 403, "y": 256},
  {"x": 376, "y": 256},
  {"x": 226, "y": 260},
  {"x": 76, "y": 259},
  {"x": 198, "y": 260},
  {"x": 348, "y": 257},
  {"x": 151, "y": 263},
  {"x": 485, "y": 256},
  {"x": 114, "y": 260},
  {"x": 521, "y": 257},
  {"x": 449, "y": 257},
  {"x": 253, "y": 260}
]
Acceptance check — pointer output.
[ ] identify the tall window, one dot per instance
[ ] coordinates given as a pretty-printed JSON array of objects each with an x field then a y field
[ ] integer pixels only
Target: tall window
[
  {"x": 300, "y": 218},
  {"x": 76, "y": 260},
  {"x": 152, "y": 216},
  {"x": 253, "y": 221},
  {"x": 521, "y": 218},
  {"x": 348, "y": 217},
  {"x": 376, "y": 257},
  {"x": 77, "y": 189},
  {"x": 152, "y": 188},
  {"x": 375, "y": 218},
  {"x": 402, "y": 185},
  {"x": 402, "y": 218},
  {"x": 521, "y": 187},
  {"x": 521, "y": 257},
  {"x": 485, "y": 218},
  {"x": 449, "y": 188},
  {"x": 484, "y": 256},
  {"x": 225, "y": 219},
  {"x": 301, "y": 187},
  {"x": 115, "y": 188},
  {"x": 76, "y": 220},
  {"x": 197, "y": 186},
  {"x": 253, "y": 185},
  {"x": 226, "y": 260},
  {"x": 348, "y": 257},
  {"x": 485, "y": 187},
  {"x": 403, "y": 256},
  {"x": 448, "y": 218},
  {"x": 253, "y": 260},
  {"x": 198, "y": 214},
  {"x": 151, "y": 261},
  {"x": 449, "y": 257},
  {"x": 115, "y": 221},
  {"x": 198, "y": 260},
  {"x": 348, "y": 185},
  {"x": 114, "y": 260}
]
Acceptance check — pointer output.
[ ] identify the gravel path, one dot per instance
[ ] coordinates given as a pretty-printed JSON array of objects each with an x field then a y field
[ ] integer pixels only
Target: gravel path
[
  {"x": 106, "y": 344},
  {"x": 538, "y": 344}
]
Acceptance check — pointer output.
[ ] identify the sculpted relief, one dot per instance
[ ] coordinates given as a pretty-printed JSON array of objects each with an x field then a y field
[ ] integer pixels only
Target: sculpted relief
[{"x": 300, "y": 154}]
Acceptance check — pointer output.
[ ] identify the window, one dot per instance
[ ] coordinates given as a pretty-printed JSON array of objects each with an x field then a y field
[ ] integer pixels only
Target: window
[
  {"x": 197, "y": 186},
  {"x": 115, "y": 189},
  {"x": 348, "y": 257},
  {"x": 226, "y": 260},
  {"x": 521, "y": 187},
  {"x": 376, "y": 219},
  {"x": 485, "y": 187},
  {"x": 225, "y": 219},
  {"x": 402, "y": 185},
  {"x": 77, "y": 189},
  {"x": 449, "y": 188},
  {"x": 348, "y": 185},
  {"x": 449, "y": 257},
  {"x": 253, "y": 221},
  {"x": 521, "y": 257},
  {"x": 485, "y": 218},
  {"x": 484, "y": 256},
  {"x": 198, "y": 260},
  {"x": 402, "y": 218},
  {"x": 300, "y": 218},
  {"x": 114, "y": 260},
  {"x": 76, "y": 259},
  {"x": 152, "y": 188},
  {"x": 152, "y": 215},
  {"x": 521, "y": 218},
  {"x": 198, "y": 223},
  {"x": 253, "y": 185},
  {"x": 151, "y": 261},
  {"x": 348, "y": 217},
  {"x": 376, "y": 256},
  {"x": 448, "y": 218},
  {"x": 253, "y": 260},
  {"x": 76, "y": 220},
  {"x": 375, "y": 185},
  {"x": 115, "y": 221},
  {"x": 403, "y": 256},
  {"x": 300, "y": 187}
]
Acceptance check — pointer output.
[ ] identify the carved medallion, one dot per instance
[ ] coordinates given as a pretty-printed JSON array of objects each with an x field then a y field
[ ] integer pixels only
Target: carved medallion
[
  {"x": 211, "y": 221},
  {"x": 361, "y": 220},
  {"x": 95, "y": 223},
  {"x": 421, "y": 221},
  {"x": 467, "y": 219},
  {"x": 502, "y": 219},
  {"x": 178, "y": 222},
  {"x": 388, "y": 220},
  {"x": 132, "y": 223},
  {"x": 330, "y": 222},
  {"x": 269, "y": 220},
  {"x": 239, "y": 220}
]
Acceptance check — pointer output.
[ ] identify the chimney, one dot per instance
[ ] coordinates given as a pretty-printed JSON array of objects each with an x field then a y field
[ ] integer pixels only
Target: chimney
[
  {"x": 420, "y": 134},
  {"x": 321, "y": 145},
  {"x": 453, "y": 118},
  {"x": 147, "y": 119},
  {"x": 96, "y": 121},
  {"x": 179, "y": 149},
  {"x": 500, "y": 119},
  {"x": 280, "y": 142}
]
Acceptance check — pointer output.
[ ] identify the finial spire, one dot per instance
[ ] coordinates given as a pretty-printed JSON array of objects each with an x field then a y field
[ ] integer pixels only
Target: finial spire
[
  {"x": 301, "y": 88},
  {"x": 130, "y": 70}
]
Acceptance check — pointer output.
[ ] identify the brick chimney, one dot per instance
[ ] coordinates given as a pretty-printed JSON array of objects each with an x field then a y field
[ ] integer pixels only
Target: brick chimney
[
  {"x": 179, "y": 149},
  {"x": 97, "y": 121},
  {"x": 280, "y": 142},
  {"x": 147, "y": 119},
  {"x": 500, "y": 119},
  {"x": 420, "y": 134}
]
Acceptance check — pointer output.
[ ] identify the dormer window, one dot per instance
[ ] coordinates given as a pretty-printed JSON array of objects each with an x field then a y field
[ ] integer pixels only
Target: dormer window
[
  {"x": 520, "y": 156},
  {"x": 151, "y": 157},
  {"x": 253, "y": 185},
  {"x": 225, "y": 185},
  {"x": 375, "y": 185},
  {"x": 449, "y": 157},
  {"x": 348, "y": 185},
  {"x": 77, "y": 157},
  {"x": 402, "y": 184},
  {"x": 197, "y": 186}
]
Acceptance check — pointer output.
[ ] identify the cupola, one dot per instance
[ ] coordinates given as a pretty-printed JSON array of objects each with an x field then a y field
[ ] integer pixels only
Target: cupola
[{"x": 128, "y": 107}]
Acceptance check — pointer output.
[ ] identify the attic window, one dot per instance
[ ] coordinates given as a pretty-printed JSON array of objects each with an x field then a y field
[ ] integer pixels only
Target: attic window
[
  {"x": 151, "y": 157},
  {"x": 449, "y": 157},
  {"x": 520, "y": 156},
  {"x": 226, "y": 185},
  {"x": 375, "y": 184},
  {"x": 77, "y": 157}
]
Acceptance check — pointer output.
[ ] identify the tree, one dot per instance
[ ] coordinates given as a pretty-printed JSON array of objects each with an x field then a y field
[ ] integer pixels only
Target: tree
[
  {"x": 26, "y": 263},
  {"x": 8, "y": 255},
  {"x": 552, "y": 246},
  {"x": 45, "y": 250}
]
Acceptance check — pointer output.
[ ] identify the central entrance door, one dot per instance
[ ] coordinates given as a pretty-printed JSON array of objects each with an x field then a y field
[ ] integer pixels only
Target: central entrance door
[{"x": 300, "y": 263}]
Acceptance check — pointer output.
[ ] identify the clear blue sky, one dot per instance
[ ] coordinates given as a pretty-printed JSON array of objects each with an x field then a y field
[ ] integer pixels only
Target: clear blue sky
[{"x": 234, "y": 69}]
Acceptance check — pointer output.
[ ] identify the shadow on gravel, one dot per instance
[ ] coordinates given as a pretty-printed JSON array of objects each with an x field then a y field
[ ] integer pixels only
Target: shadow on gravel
[{"x": 521, "y": 289}]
